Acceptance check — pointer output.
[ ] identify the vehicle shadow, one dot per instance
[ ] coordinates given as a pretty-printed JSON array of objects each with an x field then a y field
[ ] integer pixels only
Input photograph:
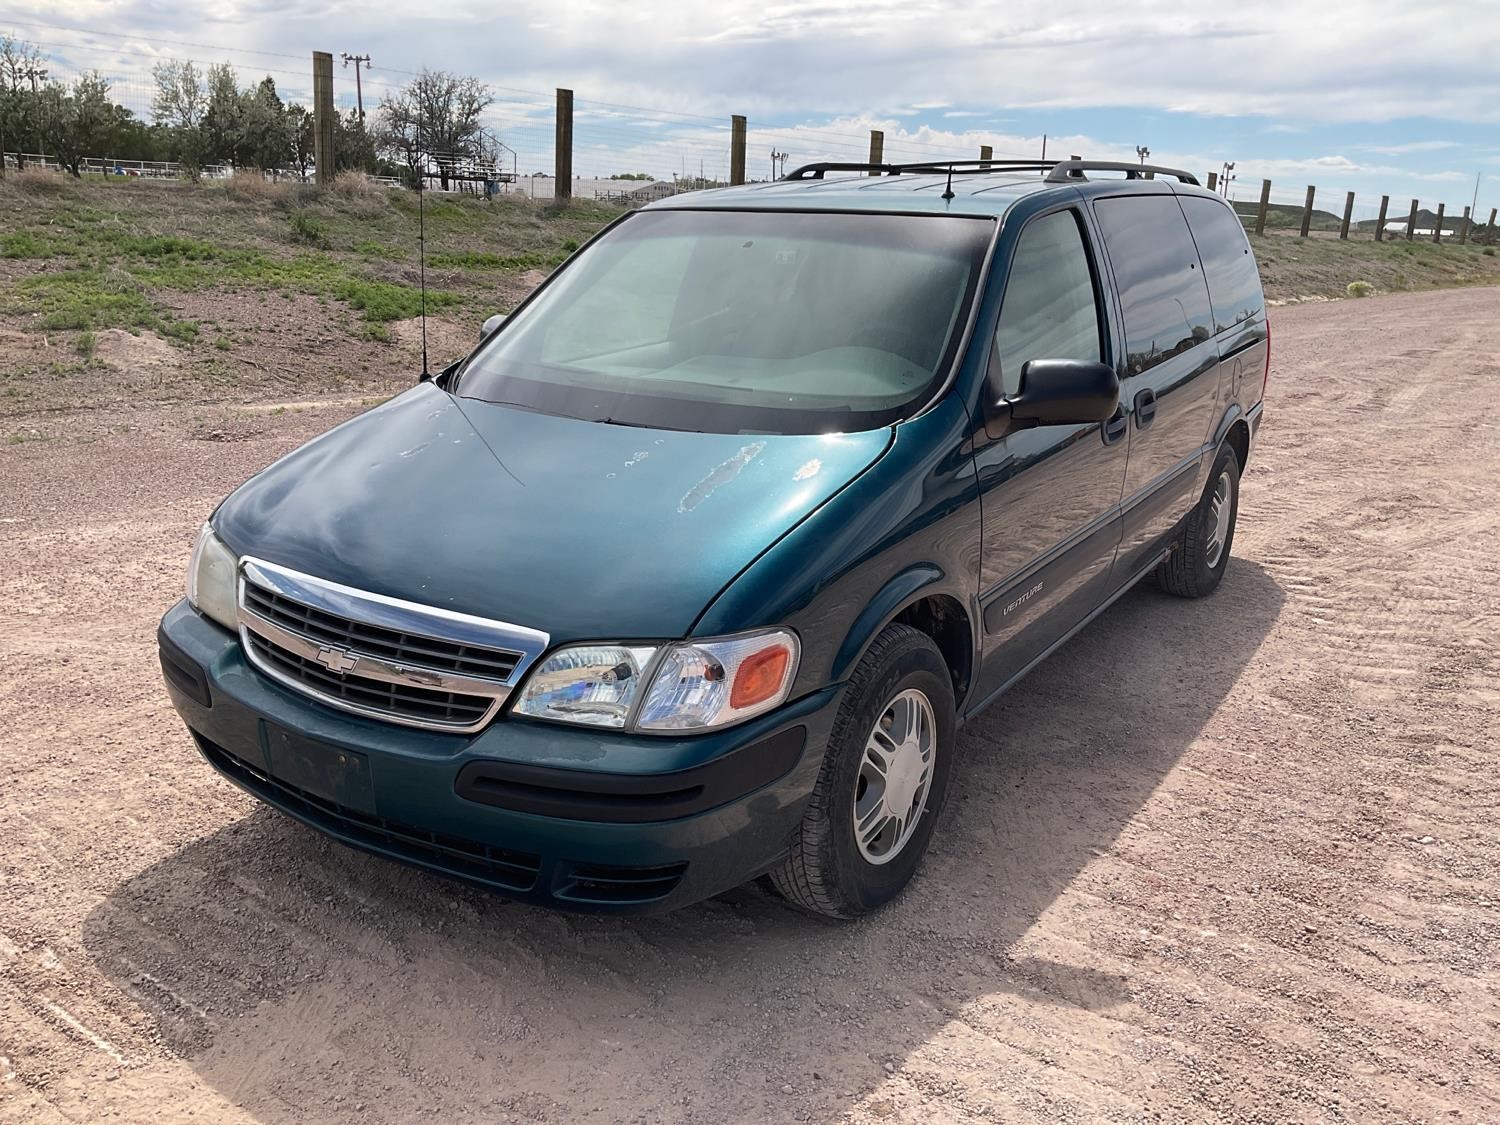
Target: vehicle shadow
[{"x": 305, "y": 981}]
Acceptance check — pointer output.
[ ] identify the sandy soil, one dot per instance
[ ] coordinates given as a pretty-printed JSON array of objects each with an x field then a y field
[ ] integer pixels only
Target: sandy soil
[{"x": 1227, "y": 860}]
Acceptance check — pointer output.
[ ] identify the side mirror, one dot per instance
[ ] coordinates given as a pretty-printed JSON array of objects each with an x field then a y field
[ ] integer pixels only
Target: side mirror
[
  {"x": 490, "y": 326},
  {"x": 1064, "y": 392}
]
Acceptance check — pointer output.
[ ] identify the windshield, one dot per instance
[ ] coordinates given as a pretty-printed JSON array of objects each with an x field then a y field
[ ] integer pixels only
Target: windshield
[{"x": 742, "y": 322}]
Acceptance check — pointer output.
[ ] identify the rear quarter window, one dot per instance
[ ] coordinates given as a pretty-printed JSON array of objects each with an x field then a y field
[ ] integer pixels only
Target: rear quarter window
[
  {"x": 1228, "y": 264},
  {"x": 1163, "y": 299}
]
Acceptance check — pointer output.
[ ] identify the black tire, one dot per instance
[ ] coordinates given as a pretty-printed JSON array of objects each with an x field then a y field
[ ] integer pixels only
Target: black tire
[
  {"x": 1191, "y": 571},
  {"x": 826, "y": 874}
]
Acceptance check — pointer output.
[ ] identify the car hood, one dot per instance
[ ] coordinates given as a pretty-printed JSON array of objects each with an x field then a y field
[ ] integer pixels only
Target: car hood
[{"x": 584, "y": 530}]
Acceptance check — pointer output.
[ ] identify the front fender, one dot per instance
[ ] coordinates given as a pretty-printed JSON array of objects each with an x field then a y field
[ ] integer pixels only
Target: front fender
[{"x": 910, "y": 586}]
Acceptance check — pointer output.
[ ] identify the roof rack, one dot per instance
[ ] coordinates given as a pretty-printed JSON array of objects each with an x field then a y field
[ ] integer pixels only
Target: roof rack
[
  {"x": 929, "y": 167},
  {"x": 1065, "y": 171},
  {"x": 1058, "y": 171}
]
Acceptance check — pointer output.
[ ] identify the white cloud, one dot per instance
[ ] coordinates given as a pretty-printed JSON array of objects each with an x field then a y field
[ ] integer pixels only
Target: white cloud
[{"x": 1411, "y": 147}]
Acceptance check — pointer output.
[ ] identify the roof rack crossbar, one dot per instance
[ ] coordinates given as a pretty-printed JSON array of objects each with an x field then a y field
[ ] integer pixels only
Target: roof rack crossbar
[
  {"x": 1066, "y": 171},
  {"x": 931, "y": 167}
]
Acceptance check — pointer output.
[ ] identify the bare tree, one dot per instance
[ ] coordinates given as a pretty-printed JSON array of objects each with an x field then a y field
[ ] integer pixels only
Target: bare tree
[{"x": 434, "y": 119}]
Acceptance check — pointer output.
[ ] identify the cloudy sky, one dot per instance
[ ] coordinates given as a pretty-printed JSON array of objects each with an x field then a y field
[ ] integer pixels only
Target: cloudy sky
[{"x": 1375, "y": 96}]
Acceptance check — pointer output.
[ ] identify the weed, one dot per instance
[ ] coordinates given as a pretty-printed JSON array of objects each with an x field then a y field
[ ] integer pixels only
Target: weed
[
  {"x": 184, "y": 331},
  {"x": 223, "y": 343},
  {"x": 1489, "y": 251},
  {"x": 377, "y": 332},
  {"x": 86, "y": 343},
  {"x": 1359, "y": 289}
]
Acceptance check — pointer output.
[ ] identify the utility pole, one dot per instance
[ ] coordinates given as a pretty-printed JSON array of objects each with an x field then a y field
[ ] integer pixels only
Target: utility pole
[
  {"x": 1224, "y": 179},
  {"x": 1142, "y": 151},
  {"x": 778, "y": 157},
  {"x": 34, "y": 72},
  {"x": 359, "y": 93}
]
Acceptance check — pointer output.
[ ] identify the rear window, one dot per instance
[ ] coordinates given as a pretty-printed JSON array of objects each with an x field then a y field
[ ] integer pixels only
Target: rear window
[
  {"x": 1162, "y": 295},
  {"x": 743, "y": 322},
  {"x": 1233, "y": 281}
]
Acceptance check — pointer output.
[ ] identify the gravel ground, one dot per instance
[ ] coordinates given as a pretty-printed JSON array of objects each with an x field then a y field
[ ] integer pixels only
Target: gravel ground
[{"x": 1224, "y": 860}]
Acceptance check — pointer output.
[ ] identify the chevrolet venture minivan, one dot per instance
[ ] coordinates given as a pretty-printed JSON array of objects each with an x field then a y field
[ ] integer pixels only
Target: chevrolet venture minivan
[{"x": 693, "y": 570}]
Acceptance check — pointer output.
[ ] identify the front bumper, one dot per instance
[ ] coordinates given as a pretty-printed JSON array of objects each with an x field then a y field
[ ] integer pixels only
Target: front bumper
[{"x": 564, "y": 817}]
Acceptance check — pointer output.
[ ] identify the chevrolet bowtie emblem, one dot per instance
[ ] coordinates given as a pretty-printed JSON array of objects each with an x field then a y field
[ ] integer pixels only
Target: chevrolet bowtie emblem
[{"x": 336, "y": 659}]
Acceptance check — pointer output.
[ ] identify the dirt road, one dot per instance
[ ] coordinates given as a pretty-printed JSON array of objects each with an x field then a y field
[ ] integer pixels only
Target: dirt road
[{"x": 1235, "y": 859}]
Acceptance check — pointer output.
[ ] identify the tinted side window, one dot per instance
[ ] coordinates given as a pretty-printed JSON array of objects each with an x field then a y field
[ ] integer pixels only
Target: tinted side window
[
  {"x": 1050, "y": 311},
  {"x": 1162, "y": 295},
  {"x": 1233, "y": 282}
]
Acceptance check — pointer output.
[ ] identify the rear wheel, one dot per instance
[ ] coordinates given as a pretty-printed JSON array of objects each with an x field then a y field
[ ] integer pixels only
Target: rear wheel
[
  {"x": 1197, "y": 564},
  {"x": 883, "y": 782}
]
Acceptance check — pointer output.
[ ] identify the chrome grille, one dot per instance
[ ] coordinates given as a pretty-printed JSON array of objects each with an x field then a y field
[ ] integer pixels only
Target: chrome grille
[{"x": 377, "y": 656}]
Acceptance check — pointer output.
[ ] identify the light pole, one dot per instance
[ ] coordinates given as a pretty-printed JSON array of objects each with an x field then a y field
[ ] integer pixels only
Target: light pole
[
  {"x": 1225, "y": 177},
  {"x": 1142, "y": 151},
  {"x": 775, "y": 157}
]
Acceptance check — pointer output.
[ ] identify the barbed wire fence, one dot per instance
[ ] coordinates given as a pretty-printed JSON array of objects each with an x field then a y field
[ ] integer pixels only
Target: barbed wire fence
[{"x": 677, "y": 150}]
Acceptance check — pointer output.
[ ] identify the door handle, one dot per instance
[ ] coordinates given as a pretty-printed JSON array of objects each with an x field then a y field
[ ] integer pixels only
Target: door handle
[
  {"x": 1113, "y": 429},
  {"x": 1145, "y": 408}
]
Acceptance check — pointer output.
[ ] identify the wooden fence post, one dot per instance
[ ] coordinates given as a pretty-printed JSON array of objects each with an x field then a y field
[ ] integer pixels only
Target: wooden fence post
[
  {"x": 1437, "y": 229},
  {"x": 1213, "y": 181},
  {"x": 1463, "y": 231},
  {"x": 1385, "y": 202},
  {"x": 1307, "y": 210},
  {"x": 877, "y": 148},
  {"x": 986, "y": 152},
  {"x": 1265, "y": 202},
  {"x": 1489, "y": 231},
  {"x": 1411, "y": 222},
  {"x": 1348, "y": 214},
  {"x": 323, "y": 117},
  {"x": 737, "y": 148},
  {"x": 562, "y": 149}
]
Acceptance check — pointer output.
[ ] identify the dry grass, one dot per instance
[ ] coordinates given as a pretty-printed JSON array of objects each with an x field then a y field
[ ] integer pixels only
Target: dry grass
[{"x": 38, "y": 181}]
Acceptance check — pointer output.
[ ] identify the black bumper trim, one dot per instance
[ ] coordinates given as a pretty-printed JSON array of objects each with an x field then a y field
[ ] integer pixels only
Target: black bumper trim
[
  {"x": 631, "y": 798},
  {"x": 182, "y": 671}
]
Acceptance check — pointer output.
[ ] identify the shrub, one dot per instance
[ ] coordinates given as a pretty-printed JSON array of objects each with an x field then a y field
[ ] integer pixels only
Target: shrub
[
  {"x": 1489, "y": 251},
  {"x": 309, "y": 229},
  {"x": 1359, "y": 289},
  {"x": 86, "y": 343}
]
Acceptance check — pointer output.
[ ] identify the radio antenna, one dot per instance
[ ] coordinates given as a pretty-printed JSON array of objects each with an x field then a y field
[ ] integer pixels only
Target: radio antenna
[
  {"x": 422, "y": 234},
  {"x": 948, "y": 191}
]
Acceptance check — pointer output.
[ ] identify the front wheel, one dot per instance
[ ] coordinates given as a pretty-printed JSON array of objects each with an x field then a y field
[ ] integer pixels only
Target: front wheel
[
  {"x": 1197, "y": 564},
  {"x": 883, "y": 782}
]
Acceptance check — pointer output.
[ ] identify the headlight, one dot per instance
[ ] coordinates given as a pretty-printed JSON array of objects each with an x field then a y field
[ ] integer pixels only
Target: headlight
[
  {"x": 211, "y": 579},
  {"x": 592, "y": 684},
  {"x": 692, "y": 686}
]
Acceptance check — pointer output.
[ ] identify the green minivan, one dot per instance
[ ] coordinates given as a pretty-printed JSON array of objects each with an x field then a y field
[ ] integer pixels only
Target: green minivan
[{"x": 693, "y": 570}]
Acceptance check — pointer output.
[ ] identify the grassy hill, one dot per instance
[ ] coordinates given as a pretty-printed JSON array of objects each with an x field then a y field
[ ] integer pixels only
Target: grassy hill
[{"x": 121, "y": 293}]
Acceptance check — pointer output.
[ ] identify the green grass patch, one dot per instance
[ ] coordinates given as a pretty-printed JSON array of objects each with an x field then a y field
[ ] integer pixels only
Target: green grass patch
[
  {"x": 24, "y": 244},
  {"x": 369, "y": 249},
  {"x": 482, "y": 261}
]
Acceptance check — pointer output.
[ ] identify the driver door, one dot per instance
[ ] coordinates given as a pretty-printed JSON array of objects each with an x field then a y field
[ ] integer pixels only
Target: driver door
[{"x": 1049, "y": 496}]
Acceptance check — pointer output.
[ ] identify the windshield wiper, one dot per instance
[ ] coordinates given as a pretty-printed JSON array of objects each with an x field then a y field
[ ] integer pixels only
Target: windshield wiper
[{"x": 642, "y": 425}]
